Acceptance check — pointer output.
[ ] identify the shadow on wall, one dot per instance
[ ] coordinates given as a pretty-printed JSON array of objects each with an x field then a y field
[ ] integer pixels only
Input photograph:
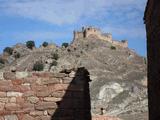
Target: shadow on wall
[{"x": 75, "y": 104}]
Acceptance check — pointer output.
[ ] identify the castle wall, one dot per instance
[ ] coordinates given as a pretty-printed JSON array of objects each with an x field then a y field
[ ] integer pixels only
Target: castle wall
[
  {"x": 78, "y": 35},
  {"x": 121, "y": 44},
  {"x": 86, "y": 32}
]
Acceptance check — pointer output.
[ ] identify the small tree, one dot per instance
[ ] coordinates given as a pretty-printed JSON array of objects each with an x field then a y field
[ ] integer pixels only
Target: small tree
[
  {"x": 113, "y": 48},
  {"x": 8, "y": 50},
  {"x": 45, "y": 44},
  {"x": 38, "y": 66},
  {"x": 30, "y": 44},
  {"x": 55, "y": 56},
  {"x": 65, "y": 45}
]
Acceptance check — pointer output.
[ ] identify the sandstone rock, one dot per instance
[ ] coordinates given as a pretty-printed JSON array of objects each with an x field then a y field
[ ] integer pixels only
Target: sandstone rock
[
  {"x": 52, "y": 99},
  {"x": 10, "y": 117},
  {"x": 14, "y": 94},
  {"x": 27, "y": 117},
  {"x": 36, "y": 113},
  {"x": 20, "y": 75},
  {"x": 12, "y": 100},
  {"x": 2, "y": 106},
  {"x": 3, "y": 94},
  {"x": 45, "y": 105},
  {"x": 33, "y": 99},
  {"x": 4, "y": 100},
  {"x": 12, "y": 106}
]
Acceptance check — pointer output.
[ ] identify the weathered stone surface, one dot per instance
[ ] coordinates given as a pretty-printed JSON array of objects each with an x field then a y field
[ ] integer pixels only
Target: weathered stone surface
[
  {"x": 52, "y": 99},
  {"x": 4, "y": 100},
  {"x": 2, "y": 106},
  {"x": 12, "y": 106},
  {"x": 45, "y": 81},
  {"x": 27, "y": 107},
  {"x": 11, "y": 117},
  {"x": 12, "y": 100},
  {"x": 9, "y": 75},
  {"x": 45, "y": 105},
  {"x": 3, "y": 94},
  {"x": 14, "y": 94},
  {"x": 20, "y": 75},
  {"x": 27, "y": 117},
  {"x": 1, "y": 76},
  {"x": 36, "y": 113},
  {"x": 17, "y": 82},
  {"x": 104, "y": 118},
  {"x": 33, "y": 99},
  {"x": 5, "y": 82}
]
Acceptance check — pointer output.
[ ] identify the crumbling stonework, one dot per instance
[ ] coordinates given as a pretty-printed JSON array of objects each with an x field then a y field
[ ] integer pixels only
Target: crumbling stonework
[{"x": 91, "y": 31}]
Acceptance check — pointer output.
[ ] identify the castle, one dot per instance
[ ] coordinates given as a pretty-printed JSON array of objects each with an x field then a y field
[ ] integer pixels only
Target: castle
[{"x": 91, "y": 31}]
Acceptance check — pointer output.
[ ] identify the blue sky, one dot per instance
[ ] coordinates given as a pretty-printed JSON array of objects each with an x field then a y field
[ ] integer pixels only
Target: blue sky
[{"x": 55, "y": 20}]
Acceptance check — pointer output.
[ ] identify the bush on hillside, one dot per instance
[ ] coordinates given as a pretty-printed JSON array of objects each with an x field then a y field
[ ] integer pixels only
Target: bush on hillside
[
  {"x": 45, "y": 44},
  {"x": 65, "y": 45},
  {"x": 113, "y": 48},
  {"x": 38, "y": 66},
  {"x": 8, "y": 50},
  {"x": 30, "y": 44}
]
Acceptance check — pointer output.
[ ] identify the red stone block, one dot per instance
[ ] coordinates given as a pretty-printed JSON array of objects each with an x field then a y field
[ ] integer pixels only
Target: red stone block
[
  {"x": 5, "y": 83},
  {"x": 12, "y": 106},
  {"x": 45, "y": 105},
  {"x": 17, "y": 82}
]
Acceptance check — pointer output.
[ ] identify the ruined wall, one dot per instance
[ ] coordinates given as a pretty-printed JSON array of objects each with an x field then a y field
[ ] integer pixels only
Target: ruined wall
[
  {"x": 44, "y": 96},
  {"x": 90, "y": 31}
]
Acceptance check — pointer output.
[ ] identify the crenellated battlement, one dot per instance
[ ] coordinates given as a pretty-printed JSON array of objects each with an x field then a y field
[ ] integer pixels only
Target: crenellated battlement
[{"x": 91, "y": 31}]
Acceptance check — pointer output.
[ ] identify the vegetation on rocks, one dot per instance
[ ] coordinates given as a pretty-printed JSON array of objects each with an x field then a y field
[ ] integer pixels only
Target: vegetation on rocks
[
  {"x": 65, "y": 45},
  {"x": 45, "y": 44},
  {"x": 8, "y": 50},
  {"x": 113, "y": 48},
  {"x": 30, "y": 44}
]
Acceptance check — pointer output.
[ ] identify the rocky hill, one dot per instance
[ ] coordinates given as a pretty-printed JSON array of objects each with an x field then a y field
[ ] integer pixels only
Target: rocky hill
[{"x": 118, "y": 74}]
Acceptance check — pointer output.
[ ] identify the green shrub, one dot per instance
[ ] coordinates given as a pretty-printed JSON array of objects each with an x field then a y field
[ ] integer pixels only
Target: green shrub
[
  {"x": 45, "y": 44},
  {"x": 30, "y": 44},
  {"x": 38, "y": 66},
  {"x": 55, "y": 56},
  {"x": 113, "y": 48},
  {"x": 8, "y": 50},
  {"x": 54, "y": 63},
  {"x": 65, "y": 45},
  {"x": 2, "y": 61}
]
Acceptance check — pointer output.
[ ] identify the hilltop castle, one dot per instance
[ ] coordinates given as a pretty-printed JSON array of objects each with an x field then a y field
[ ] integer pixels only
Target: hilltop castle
[{"x": 91, "y": 31}]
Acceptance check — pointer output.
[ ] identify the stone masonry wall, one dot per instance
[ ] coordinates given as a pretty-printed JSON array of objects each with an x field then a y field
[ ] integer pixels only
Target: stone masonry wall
[
  {"x": 46, "y": 96},
  {"x": 40, "y": 95}
]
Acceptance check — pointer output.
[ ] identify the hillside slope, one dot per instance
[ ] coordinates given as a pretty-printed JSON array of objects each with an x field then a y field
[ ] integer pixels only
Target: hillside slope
[{"x": 118, "y": 74}]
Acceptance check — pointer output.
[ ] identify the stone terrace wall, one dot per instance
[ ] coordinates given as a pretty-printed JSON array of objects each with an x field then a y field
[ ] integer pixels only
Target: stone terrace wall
[
  {"x": 40, "y": 96},
  {"x": 46, "y": 96}
]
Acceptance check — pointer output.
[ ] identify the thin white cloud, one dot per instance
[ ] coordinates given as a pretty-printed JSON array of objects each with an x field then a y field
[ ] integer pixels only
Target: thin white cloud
[{"x": 68, "y": 11}]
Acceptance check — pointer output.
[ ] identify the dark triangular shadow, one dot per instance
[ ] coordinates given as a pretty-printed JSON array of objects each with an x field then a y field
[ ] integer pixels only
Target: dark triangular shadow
[{"x": 75, "y": 104}]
